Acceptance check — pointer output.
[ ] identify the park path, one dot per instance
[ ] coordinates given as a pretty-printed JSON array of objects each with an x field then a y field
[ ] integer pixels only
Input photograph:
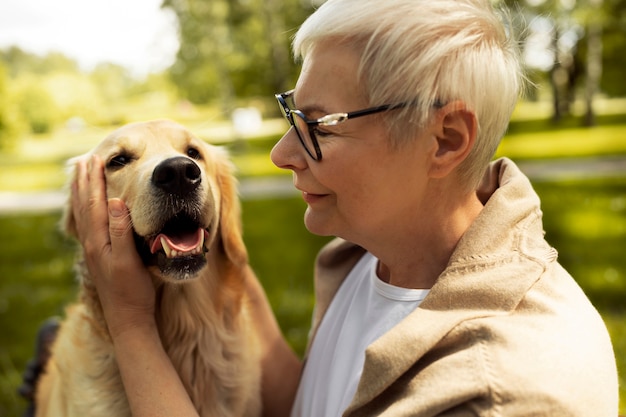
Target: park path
[
  {"x": 41, "y": 201},
  {"x": 264, "y": 187}
]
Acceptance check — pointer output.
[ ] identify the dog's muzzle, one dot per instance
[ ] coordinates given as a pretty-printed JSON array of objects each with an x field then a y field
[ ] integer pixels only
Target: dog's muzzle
[{"x": 179, "y": 243}]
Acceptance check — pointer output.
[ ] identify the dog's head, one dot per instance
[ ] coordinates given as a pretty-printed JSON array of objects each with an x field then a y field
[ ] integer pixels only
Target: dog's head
[{"x": 181, "y": 194}]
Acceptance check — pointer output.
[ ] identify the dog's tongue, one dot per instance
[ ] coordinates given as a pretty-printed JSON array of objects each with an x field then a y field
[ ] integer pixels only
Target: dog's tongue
[{"x": 183, "y": 242}]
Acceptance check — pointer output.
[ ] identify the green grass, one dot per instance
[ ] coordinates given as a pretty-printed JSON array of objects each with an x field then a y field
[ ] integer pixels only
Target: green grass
[
  {"x": 35, "y": 266},
  {"x": 282, "y": 252},
  {"x": 573, "y": 142}
]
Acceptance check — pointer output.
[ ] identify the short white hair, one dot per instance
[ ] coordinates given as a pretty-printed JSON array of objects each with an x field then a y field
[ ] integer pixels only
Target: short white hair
[{"x": 428, "y": 52}]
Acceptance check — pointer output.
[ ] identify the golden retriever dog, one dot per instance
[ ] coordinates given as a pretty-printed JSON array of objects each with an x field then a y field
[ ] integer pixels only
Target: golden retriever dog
[{"x": 185, "y": 213}]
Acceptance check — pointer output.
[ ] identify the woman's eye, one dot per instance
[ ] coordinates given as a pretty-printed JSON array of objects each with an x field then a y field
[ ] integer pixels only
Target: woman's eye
[
  {"x": 193, "y": 153},
  {"x": 119, "y": 161},
  {"x": 319, "y": 133}
]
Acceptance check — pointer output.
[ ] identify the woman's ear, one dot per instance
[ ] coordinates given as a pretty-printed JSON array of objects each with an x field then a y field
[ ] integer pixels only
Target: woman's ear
[{"x": 456, "y": 128}]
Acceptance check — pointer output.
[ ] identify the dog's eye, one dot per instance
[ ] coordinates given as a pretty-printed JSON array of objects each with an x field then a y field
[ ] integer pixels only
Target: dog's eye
[
  {"x": 194, "y": 153},
  {"x": 119, "y": 161}
]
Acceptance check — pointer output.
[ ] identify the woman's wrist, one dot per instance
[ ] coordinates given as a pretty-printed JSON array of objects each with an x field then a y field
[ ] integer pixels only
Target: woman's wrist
[{"x": 131, "y": 325}]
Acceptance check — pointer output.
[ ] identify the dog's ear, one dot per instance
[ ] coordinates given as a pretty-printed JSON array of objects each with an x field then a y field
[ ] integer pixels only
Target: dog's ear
[
  {"x": 230, "y": 214},
  {"x": 68, "y": 221}
]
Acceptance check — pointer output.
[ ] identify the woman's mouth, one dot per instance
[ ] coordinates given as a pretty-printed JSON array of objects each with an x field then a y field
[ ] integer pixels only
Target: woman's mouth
[{"x": 310, "y": 198}]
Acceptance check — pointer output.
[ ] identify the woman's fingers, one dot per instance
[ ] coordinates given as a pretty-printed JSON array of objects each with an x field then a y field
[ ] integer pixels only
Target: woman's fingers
[
  {"x": 89, "y": 206},
  {"x": 104, "y": 228}
]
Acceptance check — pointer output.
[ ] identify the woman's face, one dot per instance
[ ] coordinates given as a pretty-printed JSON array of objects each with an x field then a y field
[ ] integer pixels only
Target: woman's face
[{"x": 363, "y": 188}]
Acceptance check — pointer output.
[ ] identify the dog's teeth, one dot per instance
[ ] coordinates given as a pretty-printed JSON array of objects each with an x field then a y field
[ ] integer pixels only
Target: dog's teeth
[
  {"x": 173, "y": 253},
  {"x": 166, "y": 247}
]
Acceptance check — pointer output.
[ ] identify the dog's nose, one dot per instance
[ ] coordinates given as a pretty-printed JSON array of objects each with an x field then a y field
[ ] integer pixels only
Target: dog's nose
[{"x": 178, "y": 175}]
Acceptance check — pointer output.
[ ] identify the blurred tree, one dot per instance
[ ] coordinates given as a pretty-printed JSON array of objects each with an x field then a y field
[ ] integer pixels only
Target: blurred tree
[
  {"x": 613, "y": 47},
  {"x": 20, "y": 62},
  {"x": 112, "y": 80},
  {"x": 559, "y": 60},
  {"x": 35, "y": 104},
  {"x": 234, "y": 48},
  {"x": 587, "y": 45},
  {"x": 77, "y": 95},
  {"x": 10, "y": 127},
  {"x": 39, "y": 92},
  {"x": 593, "y": 24}
]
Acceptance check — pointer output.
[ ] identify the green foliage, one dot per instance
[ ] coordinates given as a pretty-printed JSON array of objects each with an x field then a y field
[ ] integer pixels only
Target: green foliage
[
  {"x": 37, "y": 94},
  {"x": 614, "y": 62},
  {"x": 614, "y": 44},
  {"x": 36, "y": 105},
  {"x": 234, "y": 48},
  {"x": 10, "y": 126},
  {"x": 112, "y": 81},
  {"x": 21, "y": 62}
]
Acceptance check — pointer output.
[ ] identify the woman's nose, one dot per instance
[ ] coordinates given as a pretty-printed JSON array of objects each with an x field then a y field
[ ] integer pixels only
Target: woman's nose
[{"x": 288, "y": 152}]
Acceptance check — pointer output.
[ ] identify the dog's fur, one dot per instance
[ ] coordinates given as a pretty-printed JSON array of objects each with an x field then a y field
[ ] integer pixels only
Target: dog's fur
[{"x": 201, "y": 305}]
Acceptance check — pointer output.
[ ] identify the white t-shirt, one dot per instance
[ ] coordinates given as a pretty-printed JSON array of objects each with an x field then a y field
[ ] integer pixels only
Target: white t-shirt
[{"x": 363, "y": 309}]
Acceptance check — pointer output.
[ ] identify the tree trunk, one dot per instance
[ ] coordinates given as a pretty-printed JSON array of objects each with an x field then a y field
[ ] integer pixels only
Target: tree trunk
[
  {"x": 555, "y": 72},
  {"x": 280, "y": 54},
  {"x": 594, "y": 62}
]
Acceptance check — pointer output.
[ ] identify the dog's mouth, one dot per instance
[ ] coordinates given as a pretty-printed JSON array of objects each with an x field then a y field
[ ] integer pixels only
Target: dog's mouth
[
  {"x": 179, "y": 243},
  {"x": 178, "y": 249}
]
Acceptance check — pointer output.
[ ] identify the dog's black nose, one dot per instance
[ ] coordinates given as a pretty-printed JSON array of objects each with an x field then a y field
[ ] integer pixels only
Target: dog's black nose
[{"x": 178, "y": 175}]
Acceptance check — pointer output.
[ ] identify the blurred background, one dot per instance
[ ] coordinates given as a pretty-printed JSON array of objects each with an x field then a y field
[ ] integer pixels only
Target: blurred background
[{"x": 72, "y": 71}]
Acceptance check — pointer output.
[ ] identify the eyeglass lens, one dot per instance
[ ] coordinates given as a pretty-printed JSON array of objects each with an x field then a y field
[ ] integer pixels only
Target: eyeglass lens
[
  {"x": 302, "y": 129},
  {"x": 297, "y": 120}
]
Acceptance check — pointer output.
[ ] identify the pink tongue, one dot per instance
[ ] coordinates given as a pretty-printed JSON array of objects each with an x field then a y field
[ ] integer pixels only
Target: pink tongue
[{"x": 182, "y": 242}]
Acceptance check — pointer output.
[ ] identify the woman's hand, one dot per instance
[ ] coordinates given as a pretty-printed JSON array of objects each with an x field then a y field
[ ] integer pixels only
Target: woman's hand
[
  {"x": 104, "y": 230},
  {"x": 125, "y": 289}
]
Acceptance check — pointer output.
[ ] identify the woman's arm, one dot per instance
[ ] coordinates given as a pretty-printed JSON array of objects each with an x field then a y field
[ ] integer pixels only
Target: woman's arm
[{"x": 281, "y": 367}]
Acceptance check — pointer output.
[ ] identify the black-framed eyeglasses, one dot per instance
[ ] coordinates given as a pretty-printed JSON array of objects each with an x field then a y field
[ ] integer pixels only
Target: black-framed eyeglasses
[{"x": 305, "y": 127}]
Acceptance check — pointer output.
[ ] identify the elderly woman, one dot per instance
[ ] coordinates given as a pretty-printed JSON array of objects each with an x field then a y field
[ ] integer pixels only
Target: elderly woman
[{"x": 440, "y": 295}]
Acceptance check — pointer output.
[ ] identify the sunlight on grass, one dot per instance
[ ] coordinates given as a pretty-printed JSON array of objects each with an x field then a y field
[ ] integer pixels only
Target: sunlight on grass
[
  {"x": 601, "y": 140},
  {"x": 532, "y": 110},
  {"x": 259, "y": 164},
  {"x": 32, "y": 177},
  {"x": 588, "y": 224},
  {"x": 601, "y": 279}
]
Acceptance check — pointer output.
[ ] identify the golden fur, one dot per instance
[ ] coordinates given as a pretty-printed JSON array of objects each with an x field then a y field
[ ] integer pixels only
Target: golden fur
[{"x": 201, "y": 307}]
